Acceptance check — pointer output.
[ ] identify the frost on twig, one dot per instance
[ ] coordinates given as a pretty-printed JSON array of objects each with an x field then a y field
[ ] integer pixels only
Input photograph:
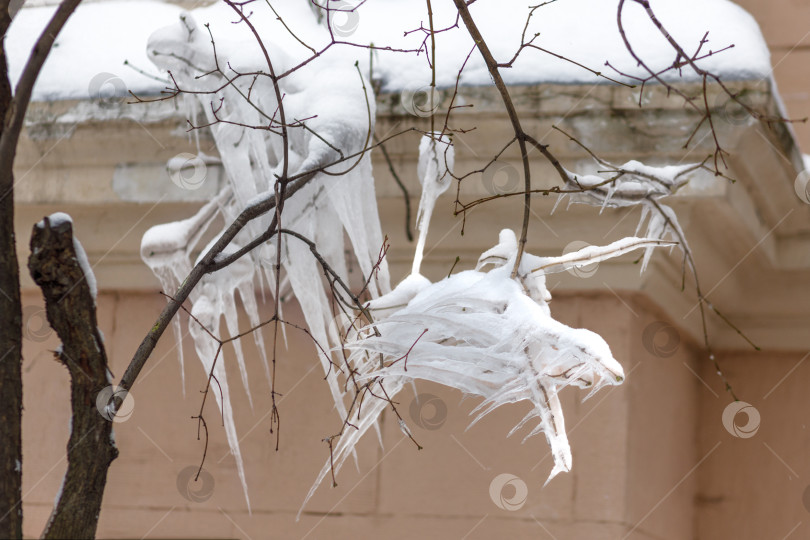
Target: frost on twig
[{"x": 487, "y": 332}]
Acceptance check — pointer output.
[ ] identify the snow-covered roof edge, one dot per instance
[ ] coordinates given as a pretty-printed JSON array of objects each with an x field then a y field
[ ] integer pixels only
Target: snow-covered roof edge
[{"x": 582, "y": 30}]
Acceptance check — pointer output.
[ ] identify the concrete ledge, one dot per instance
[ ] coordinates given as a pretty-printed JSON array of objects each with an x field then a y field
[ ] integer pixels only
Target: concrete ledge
[{"x": 104, "y": 162}]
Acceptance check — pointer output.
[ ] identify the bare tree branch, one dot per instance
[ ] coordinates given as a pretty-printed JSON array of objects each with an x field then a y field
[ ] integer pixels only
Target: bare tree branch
[{"x": 492, "y": 66}]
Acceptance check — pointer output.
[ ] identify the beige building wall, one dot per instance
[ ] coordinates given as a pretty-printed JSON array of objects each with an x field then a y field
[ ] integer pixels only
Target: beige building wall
[
  {"x": 786, "y": 27},
  {"x": 757, "y": 487},
  {"x": 630, "y": 446}
]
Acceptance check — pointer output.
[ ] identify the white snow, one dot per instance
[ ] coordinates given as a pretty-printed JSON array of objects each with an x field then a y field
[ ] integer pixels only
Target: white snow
[
  {"x": 58, "y": 495},
  {"x": 55, "y": 219},
  {"x": 88, "y": 57},
  {"x": 89, "y": 276},
  {"x": 583, "y": 30}
]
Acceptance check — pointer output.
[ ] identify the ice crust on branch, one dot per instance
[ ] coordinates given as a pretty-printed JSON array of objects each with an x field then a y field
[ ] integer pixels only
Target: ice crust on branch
[
  {"x": 482, "y": 331},
  {"x": 490, "y": 336},
  {"x": 329, "y": 117},
  {"x": 635, "y": 184}
]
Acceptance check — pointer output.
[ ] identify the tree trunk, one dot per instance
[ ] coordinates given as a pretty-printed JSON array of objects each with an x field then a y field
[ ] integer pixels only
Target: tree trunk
[
  {"x": 12, "y": 114},
  {"x": 10, "y": 335},
  {"x": 71, "y": 312}
]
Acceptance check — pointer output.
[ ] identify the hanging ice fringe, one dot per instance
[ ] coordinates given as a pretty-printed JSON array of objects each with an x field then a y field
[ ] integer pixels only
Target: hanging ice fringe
[
  {"x": 635, "y": 184},
  {"x": 339, "y": 121},
  {"x": 481, "y": 331}
]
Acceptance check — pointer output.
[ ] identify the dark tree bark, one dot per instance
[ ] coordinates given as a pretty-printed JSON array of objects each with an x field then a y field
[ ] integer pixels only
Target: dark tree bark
[
  {"x": 12, "y": 113},
  {"x": 72, "y": 313},
  {"x": 10, "y": 335}
]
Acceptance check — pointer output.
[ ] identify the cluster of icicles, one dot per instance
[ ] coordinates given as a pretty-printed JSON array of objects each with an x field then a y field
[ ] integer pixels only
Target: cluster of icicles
[{"x": 482, "y": 331}]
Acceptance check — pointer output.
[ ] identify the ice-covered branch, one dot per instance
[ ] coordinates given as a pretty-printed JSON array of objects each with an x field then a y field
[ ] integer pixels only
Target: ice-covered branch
[
  {"x": 202, "y": 268},
  {"x": 637, "y": 184},
  {"x": 487, "y": 334}
]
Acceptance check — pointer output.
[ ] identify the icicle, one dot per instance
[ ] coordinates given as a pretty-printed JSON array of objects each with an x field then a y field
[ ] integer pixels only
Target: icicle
[
  {"x": 166, "y": 249},
  {"x": 248, "y": 297},
  {"x": 558, "y": 201},
  {"x": 228, "y": 307},
  {"x": 204, "y": 311},
  {"x": 308, "y": 288},
  {"x": 435, "y": 165},
  {"x": 371, "y": 412},
  {"x": 339, "y": 121},
  {"x": 638, "y": 184},
  {"x": 489, "y": 335}
]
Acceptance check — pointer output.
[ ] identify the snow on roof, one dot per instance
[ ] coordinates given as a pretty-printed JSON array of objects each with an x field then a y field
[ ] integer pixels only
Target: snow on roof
[{"x": 88, "y": 59}]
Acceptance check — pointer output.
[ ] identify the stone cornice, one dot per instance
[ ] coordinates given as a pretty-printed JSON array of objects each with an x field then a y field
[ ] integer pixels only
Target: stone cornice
[{"x": 105, "y": 164}]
